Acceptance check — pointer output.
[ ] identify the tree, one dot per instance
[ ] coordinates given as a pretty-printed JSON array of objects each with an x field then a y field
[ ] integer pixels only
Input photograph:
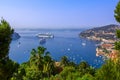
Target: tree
[
  {"x": 109, "y": 71},
  {"x": 67, "y": 71},
  {"x": 117, "y": 17},
  {"x": 5, "y": 38},
  {"x": 48, "y": 67},
  {"x": 117, "y": 45},
  {"x": 84, "y": 68},
  {"x": 7, "y": 66},
  {"x": 87, "y": 77},
  {"x": 118, "y": 33},
  {"x": 40, "y": 64},
  {"x": 117, "y": 12},
  {"x": 64, "y": 61}
]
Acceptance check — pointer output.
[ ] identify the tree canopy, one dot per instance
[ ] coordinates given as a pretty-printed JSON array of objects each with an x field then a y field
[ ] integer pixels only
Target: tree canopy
[
  {"x": 117, "y": 12},
  {"x": 7, "y": 66},
  {"x": 5, "y": 38}
]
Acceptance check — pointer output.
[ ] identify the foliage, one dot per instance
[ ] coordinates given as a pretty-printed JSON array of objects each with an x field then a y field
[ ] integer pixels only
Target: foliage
[
  {"x": 38, "y": 67},
  {"x": 109, "y": 71},
  {"x": 64, "y": 61},
  {"x": 117, "y": 45},
  {"x": 118, "y": 33},
  {"x": 117, "y": 17},
  {"x": 7, "y": 66},
  {"x": 7, "y": 69},
  {"x": 42, "y": 66},
  {"x": 5, "y": 38},
  {"x": 117, "y": 12},
  {"x": 87, "y": 77},
  {"x": 84, "y": 68}
]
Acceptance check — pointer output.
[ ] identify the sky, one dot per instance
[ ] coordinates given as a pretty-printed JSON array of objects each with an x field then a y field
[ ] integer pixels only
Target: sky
[{"x": 58, "y": 13}]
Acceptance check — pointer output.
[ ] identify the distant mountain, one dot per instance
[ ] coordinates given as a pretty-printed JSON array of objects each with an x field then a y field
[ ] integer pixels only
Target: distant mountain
[
  {"x": 15, "y": 36},
  {"x": 101, "y": 33}
]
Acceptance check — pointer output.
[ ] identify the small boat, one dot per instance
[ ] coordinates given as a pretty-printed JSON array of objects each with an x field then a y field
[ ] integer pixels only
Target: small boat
[
  {"x": 46, "y": 35},
  {"x": 42, "y": 41},
  {"x": 83, "y": 44},
  {"x": 68, "y": 49}
]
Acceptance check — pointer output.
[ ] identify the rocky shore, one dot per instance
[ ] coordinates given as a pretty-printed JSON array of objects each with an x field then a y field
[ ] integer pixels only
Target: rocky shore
[{"x": 15, "y": 36}]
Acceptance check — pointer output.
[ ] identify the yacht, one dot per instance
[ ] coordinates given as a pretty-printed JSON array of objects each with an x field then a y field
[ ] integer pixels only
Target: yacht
[
  {"x": 83, "y": 44},
  {"x": 42, "y": 41}
]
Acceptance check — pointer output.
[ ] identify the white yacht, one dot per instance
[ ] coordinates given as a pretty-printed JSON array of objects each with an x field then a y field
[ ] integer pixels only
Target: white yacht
[{"x": 83, "y": 44}]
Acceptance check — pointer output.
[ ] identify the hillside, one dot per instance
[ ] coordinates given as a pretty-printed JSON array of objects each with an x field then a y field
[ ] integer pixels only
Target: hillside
[{"x": 103, "y": 33}]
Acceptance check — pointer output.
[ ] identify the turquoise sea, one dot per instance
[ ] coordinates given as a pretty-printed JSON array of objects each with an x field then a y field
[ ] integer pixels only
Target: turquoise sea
[{"x": 66, "y": 42}]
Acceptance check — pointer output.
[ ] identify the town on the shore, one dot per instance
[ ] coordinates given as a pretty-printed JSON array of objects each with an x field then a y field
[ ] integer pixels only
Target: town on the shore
[{"x": 106, "y": 35}]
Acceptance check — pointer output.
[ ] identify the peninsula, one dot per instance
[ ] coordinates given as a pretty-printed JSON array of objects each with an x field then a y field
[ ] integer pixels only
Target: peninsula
[
  {"x": 107, "y": 36},
  {"x": 104, "y": 34}
]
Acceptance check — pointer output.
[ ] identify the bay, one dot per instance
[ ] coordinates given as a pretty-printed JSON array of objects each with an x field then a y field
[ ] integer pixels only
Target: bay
[{"x": 66, "y": 42}]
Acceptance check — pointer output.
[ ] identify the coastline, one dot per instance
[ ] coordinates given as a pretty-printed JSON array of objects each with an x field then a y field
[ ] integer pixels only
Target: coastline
[{"x": 106, "y": 35}]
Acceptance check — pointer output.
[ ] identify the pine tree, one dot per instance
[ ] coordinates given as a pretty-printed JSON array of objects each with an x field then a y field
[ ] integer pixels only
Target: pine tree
[
  {"x": 7, "y": 66},
  {"x": 117, "y": 17},
  {"x": 117, "y": 12}
]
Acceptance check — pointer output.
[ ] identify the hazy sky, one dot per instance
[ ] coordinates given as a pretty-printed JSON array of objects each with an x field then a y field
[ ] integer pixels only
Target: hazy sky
[{"x": 58, "y": 13}]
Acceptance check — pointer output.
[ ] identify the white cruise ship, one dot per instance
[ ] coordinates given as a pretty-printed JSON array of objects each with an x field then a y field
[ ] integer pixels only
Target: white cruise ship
[{"x": 46, "y": 35}]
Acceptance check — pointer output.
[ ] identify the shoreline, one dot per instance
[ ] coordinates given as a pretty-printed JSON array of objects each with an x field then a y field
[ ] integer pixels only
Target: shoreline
[{"x": 105, "y": 47}]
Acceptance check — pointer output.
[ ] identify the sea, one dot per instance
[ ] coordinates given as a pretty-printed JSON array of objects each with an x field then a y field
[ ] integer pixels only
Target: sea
[{"x": 66, "y": 42}]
